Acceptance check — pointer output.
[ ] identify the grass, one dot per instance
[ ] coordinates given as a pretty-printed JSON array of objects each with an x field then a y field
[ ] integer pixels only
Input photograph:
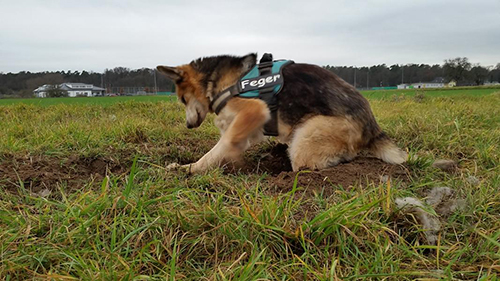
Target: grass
[
  {"x": 438, "y": 92},
  {"x": 85, "y": 100},
  {"x": 144, "y": 223},
  {"x": 371, "y": 94}
]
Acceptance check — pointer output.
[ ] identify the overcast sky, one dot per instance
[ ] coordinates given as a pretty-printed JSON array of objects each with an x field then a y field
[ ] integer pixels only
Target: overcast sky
[{"x": 90, "y": 35}]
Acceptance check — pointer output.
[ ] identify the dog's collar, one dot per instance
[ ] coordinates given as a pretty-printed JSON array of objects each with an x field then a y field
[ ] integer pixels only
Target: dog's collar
[{"x": 218, "y": 101}]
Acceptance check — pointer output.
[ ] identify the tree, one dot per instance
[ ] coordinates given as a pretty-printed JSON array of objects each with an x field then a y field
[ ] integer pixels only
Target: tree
[
  {"x": 457, "y": 69},
  {"x": 495, "y": 74},
  {"x": 47, "y": 78},
  {"x": 478, "y": 74}
]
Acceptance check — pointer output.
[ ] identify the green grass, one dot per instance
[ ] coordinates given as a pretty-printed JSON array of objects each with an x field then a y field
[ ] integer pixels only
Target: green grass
[
  {"x": 149, "y": 224},
  {"x": 438, "y": 92},
  {"x": 85, "y": 100},
  {"x": 372, "y": 94}
]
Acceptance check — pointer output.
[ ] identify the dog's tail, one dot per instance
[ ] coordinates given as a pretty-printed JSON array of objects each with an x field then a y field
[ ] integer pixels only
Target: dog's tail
[{"x": 383, "y": 148}]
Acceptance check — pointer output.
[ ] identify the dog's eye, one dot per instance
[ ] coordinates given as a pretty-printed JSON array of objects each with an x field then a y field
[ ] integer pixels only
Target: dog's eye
[{"x": 183, "y": 100}]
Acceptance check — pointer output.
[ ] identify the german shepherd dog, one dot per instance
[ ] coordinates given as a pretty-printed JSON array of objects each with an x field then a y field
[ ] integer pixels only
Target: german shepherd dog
[{"x": 323, "y": 119}]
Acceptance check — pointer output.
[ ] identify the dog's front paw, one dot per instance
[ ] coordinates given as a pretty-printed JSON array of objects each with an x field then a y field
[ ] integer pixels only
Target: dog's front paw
[
  {"x": 173, "y": 166},
  {"x": 178, "y": 167}
]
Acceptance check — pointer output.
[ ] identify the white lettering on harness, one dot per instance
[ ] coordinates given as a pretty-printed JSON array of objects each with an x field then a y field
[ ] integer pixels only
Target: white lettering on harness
[{"x": 260, "y": 82}]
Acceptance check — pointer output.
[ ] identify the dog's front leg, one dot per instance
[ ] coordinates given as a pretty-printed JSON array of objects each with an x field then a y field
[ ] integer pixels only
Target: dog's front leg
[{"x": 250, "y": 117}]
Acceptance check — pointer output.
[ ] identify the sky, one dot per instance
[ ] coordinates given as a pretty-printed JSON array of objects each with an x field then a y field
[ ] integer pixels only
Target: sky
[{"x": 93, "y": 35}]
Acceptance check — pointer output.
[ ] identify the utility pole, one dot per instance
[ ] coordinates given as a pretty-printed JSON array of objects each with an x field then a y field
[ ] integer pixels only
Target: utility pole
[
  {"x": 368, "y": 79},
  {"x": 154, "y": 75},
  {"x": 355, "y": 77},
  {"x": 402, "y": 74}
]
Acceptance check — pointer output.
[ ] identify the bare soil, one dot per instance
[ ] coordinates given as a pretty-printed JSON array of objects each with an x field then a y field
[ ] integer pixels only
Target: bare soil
[
  {"x": 360, "y": 171},
  {"x": 363, "y": 170},
  {"x": 37, "y": 173}
]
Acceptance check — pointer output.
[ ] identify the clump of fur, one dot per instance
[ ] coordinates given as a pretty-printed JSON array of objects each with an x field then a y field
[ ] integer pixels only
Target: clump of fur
[
  {"x": 444, "y": 201},
  {"x": 430, "y": 223},
  {"x": 441, "y": 200}
]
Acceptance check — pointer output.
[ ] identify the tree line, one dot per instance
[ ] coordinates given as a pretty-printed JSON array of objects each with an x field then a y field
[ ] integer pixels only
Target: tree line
[
  {"x": 23, "y": 84},
  {"x": 460, "y": 69}
]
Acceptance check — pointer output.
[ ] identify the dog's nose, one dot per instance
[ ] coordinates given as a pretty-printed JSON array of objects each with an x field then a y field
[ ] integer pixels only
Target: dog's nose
[{"x": 189, "y": 126}]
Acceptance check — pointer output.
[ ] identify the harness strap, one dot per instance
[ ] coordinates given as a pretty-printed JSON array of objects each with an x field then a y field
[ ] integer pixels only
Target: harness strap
[
  {"x": 219, "y": 100},
  {"x": 268, "y": 96}
]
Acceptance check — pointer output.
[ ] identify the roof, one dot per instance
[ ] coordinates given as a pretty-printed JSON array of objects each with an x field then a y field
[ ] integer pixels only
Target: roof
[
  {"x": 428, "y": 83},
  {"x": 41, "y": 88},
  {"x": 71, "y": 87},
  {"x": 80, "y": 86},
  {"x": 438, "y": 80}
]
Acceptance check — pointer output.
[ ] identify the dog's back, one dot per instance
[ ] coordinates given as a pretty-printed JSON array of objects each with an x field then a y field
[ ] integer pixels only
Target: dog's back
[{"x": 312, "y": 91}]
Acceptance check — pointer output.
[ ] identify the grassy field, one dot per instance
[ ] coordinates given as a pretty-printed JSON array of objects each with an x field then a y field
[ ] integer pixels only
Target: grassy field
[
  {"x": 94, "y": 100},
  {"x": 372, "y": 94},
  {"x": 84, "y": 196},
  {"x": 438, "y": 92}
]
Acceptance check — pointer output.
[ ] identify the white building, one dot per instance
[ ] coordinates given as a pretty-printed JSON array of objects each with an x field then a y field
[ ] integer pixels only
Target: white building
[
  {"x": 425, "y": 85},
  {"x": 73, "y": 89},
  {"x": 436, "y": 83}
]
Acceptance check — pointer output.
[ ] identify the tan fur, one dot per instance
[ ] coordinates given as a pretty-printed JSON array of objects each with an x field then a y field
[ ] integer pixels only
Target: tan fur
[
  {"x": 227, "y": 80},
  {"x": 324, "y": 141},
  {"x": 240, "y": 123},
  {"x": 389, "y": 152},
  {"x": 191, "y": 83}
]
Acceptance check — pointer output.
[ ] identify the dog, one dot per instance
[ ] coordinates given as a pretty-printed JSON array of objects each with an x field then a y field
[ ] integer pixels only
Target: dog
[{"x": 323, "y": 119}]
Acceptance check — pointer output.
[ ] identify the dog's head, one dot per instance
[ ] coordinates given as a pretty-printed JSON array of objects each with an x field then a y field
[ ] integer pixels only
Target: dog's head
[{"x": 199, "y": 80}]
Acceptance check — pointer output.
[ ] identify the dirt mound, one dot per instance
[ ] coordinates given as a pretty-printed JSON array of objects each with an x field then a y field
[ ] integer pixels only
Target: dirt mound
[
  {"x": 362, "y": 170},
  {"x": 271, "y": 159},
  {"x": 38, "y": 173}
]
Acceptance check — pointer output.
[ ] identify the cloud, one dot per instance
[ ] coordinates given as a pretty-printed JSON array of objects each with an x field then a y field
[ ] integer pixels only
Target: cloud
[{"x": 94, "y": 35}]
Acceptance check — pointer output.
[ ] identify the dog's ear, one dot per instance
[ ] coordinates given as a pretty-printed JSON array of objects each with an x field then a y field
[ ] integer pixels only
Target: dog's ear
[
  {"x": 171, "y": 72},
  {"x": 249, "y": 61}
]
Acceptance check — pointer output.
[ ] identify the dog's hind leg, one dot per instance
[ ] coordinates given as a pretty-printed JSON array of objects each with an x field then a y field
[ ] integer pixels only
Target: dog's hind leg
[
  {"x": 324, "y": 141},
  {"x": 245, "y": 128}
]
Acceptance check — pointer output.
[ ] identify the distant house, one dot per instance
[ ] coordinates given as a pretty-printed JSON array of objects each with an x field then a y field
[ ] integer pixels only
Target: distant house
[
  {"x": 73, "y": 89},
  {"x": 439, "y": 82},
  {"x": 494, "y": 83}
]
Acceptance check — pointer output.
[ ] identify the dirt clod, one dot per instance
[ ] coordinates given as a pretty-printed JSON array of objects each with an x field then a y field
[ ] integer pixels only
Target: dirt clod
[{"x": 445, "y": 165}]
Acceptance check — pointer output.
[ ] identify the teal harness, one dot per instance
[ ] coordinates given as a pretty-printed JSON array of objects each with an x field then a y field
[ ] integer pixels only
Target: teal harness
[
  {"x": 264, "y": 81},
  {"x": 254, "y": 75}
]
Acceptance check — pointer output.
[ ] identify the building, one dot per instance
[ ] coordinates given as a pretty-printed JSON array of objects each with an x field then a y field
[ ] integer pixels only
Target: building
[
  {"x": 73, "y": 89},
  {"x": 439, "y": 82}
]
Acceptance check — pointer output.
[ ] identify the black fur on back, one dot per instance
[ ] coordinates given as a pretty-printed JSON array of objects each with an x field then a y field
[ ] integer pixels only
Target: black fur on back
[
  {"x": 310, "y": 90},
  {"x": 216, "y": 66}
]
